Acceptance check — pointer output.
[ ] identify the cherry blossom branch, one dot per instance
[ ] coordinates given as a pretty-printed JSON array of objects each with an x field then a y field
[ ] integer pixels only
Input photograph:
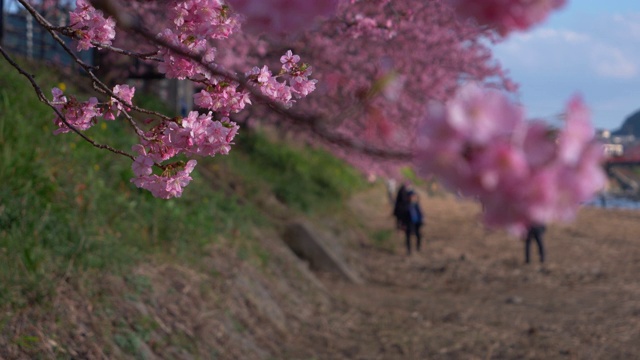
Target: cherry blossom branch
[
  {"x": 310, "y": 122},
  {"x": 44, "y": 99},
  {"x": 52, "y": 31},
  {"x": 478, "y": 142},
  {"x": 98, "y": 84}
]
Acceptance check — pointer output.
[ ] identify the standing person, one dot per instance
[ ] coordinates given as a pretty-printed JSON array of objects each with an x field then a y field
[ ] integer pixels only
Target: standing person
[
  {"x": 413, "y": 221},
  {"x": 401, "y": 206},
  {"x": 534, "y": 232}
]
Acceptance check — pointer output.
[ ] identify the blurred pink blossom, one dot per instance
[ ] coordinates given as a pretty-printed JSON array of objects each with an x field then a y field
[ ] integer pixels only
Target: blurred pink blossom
[
  {"x": 508, "y": 15},
  {"x": 523, "y": 172}
]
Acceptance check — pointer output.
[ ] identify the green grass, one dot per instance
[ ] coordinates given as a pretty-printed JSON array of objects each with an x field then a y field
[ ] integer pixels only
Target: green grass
[
  {"x": 67, "y": 207},
  {"x": 302, "y": 177}
]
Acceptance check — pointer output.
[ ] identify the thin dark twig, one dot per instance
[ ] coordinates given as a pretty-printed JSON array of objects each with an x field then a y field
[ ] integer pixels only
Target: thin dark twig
[
  {"x": 88, "y": 68},
  {"x": 44, "y": 99},
  {"x": 126, "y": 114},
  {"x": 143, "y": 56}
]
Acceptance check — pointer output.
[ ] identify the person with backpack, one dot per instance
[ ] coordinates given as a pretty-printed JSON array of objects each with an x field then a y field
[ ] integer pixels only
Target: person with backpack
[{"x": 413, "y": 221}]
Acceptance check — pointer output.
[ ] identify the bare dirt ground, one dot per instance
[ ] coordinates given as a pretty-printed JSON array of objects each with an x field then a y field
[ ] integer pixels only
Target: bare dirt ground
[
  {"x": 466, "y": 295},
  {"x": 469, "y": 295}
]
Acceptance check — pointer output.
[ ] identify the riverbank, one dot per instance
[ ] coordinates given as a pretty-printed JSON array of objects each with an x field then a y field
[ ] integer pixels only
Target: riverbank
[{"x": 615, "y": 201}]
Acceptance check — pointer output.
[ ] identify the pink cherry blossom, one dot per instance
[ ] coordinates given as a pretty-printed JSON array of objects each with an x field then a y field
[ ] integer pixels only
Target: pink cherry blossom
[
  {"x": 80, "y": 115},
  {"x": 508, "y": 15},
  {"x": 203, "y": 18},
  {"x": 282, "y": 16},
  {"x": 523, "y": 172},
  {"x": 125, "y": 93},
  {"x": 157, "y": 144},
  {"x": 90, "y": 25},
  {"x": 299, "y": 85},
  {"x": 577, "y": 131},
  {"x": 289, "y": 60},
  {"x": 479, "y": 143},
  {"x": 302, "y": 87},
  {"x": 176, "y": 66},
  {"x": 481, "y": 115},
  {"x": 143, "y": 163},
  {"x": 199, "y": 134},
  {"x": 170, "y": 183},
  {"x": 223, "y": 97}
]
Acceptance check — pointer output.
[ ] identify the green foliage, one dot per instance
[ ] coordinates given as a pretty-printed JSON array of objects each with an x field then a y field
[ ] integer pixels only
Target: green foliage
[
  {"x": 150, "y": 102},
  {"x": 409, "y": 174},
  {"x": 66, "y": 206},
  {"x": 304, "y": 178}
]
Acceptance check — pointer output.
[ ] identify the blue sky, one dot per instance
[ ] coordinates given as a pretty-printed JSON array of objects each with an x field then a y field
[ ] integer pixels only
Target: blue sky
[{"x": 591, "y": 48}]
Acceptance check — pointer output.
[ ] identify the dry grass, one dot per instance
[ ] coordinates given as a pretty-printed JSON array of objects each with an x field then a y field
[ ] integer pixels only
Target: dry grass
[{"x": 467, "y": 295}]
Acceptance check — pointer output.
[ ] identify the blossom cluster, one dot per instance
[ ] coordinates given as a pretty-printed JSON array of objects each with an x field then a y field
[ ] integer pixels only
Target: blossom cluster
[
  {"x": 80, "y": 115},
  {"x": 194, "y": 23},
  {"x": 177, "y": 66},
  {"x": 208, "y": 19},
  {"x": 83, "y": 115},
  {"x": 508, "y": 15},
  {"x": 165, "y": 186},
  {"x": 361, "y": 25},
  {"x": 195, "y": 134},
  {"x": 523, "y": 172},
  {"x": 187, "y": 54},
  {"x": 297, "y": 73},
  {"x": 198, "y": 134},
  {"x": 90, "y": 25},
  {"x": 222, "y": 96}
]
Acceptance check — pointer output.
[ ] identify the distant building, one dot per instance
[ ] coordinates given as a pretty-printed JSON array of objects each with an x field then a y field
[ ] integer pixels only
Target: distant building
[
  {"x": 603, "y": 135},
  {"x": 623, "y": 139},
  {"x": 611, "y": 150},
  {"x": 615, "y": 145}
]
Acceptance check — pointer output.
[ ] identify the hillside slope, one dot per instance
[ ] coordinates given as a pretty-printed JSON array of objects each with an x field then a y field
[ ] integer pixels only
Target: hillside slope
[{"x": 92, "y": 267}]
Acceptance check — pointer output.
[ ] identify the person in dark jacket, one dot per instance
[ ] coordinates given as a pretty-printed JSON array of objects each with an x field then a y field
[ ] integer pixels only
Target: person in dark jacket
[
  {"x": 534, "y": 232},
  {"x": 413, "y": 221},
  {"x": 401, "y": 207}
]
